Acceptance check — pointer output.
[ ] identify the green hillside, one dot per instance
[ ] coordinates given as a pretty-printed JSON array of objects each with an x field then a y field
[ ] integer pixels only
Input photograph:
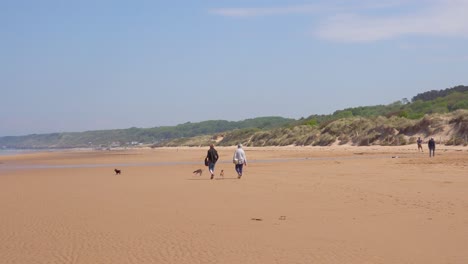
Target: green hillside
[
  {"x": 448, "y": 129},
  {"x": 442, "y": 113},
  {"x": 432, "y": 102},
  {"x": 125, "y": 137}
]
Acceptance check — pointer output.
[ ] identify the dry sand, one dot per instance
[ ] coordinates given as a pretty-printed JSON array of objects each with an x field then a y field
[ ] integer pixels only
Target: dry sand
[{"x": 293, "y": 205}]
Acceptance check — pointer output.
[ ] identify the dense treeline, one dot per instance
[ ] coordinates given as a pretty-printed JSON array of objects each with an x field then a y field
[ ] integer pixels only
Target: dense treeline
[
  {"x": 434, "y": 94},
  {"x": 443, "y": 101}
]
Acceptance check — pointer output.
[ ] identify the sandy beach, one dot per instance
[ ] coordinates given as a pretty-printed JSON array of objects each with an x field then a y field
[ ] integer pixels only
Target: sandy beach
[{"x": 293, "y": 205}]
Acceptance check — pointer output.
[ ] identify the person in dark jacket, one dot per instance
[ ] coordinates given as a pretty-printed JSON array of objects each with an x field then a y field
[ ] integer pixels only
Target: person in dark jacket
[
  {"x": 212, "y": 158},
  {"x": 431, "y": 145}
]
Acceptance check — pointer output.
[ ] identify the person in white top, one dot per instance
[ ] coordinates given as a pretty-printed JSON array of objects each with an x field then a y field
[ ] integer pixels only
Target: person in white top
[{"x": 239, "y": 160}]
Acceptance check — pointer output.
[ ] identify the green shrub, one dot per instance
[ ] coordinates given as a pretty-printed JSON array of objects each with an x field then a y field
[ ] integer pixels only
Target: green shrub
[{"x": 312, "y": 123}]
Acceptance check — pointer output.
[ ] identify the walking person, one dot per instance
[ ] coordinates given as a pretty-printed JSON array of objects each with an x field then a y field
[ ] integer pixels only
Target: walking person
[
  {"x": 431, "y": 145},
  {"x": 239, "y": 160},
  {"x": 419, "y": 141},
  {"x": 212, "y": 158}
]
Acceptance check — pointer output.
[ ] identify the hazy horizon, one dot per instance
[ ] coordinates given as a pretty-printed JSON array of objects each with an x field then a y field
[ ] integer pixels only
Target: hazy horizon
[
  {"x": 118, "y": 128},
  {"x": 80, "y": 66}
]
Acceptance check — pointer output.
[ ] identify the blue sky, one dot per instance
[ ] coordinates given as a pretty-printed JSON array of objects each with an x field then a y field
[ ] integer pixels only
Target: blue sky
[{"x": 89, "y": 65}]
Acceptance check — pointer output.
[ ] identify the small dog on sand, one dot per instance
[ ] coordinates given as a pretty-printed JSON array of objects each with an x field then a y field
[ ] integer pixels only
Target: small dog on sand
[
  {"x": 221, "y": 174},
  {"x": 198, "y": 172},
  {"x": 117, "y": 171}
]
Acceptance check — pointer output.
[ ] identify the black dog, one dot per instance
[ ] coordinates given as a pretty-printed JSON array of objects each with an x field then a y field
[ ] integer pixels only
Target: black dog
[{"x": 117, "y": 171}]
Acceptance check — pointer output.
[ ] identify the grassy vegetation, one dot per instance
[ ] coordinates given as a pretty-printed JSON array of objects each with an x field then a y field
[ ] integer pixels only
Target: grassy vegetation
[
  {"x": 444, "y": 101},
  {"x": 398, "y": 123},
  {"x": 358, "y": 131},
  {"x": 430, "y": 113}
]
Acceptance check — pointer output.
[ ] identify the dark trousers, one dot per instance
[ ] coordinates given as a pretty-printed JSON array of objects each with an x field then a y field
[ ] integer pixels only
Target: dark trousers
[
  {"x": 431, "y": 152},
  {"x": 239, "y": 169},
  {"x": 211, "y": 166}
]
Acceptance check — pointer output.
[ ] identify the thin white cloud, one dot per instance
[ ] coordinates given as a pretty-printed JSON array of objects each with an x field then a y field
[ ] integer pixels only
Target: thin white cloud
[
  {"x": 350, "y": 21},
  {"x": 455, "y": 59},
  {"x": 329, "y": 6},
  {"x": 444, "y": 18},
  {"x": 265, "y": 11}
]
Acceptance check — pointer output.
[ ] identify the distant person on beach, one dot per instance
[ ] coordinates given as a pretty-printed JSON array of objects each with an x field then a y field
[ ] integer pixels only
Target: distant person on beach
[
  {"x": 212, "y": 158},
  {"x": 419, "y": 141},
  {"x": 239, "y": 160},
  {"x": 431, "y": 145}
]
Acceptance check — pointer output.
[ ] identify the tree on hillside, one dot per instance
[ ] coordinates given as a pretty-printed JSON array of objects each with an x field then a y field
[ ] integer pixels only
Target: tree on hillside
[{"x": 434, "y": 94}]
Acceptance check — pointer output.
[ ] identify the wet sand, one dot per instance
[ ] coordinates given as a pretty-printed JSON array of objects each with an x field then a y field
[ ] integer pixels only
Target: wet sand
[{"x": 293, "y": 205}]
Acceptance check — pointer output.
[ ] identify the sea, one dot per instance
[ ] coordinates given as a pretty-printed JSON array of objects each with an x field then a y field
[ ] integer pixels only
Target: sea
[{"x": 9, "y": 152}]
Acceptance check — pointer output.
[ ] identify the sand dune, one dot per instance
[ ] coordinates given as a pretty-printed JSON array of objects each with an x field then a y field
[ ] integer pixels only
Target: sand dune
[{"x": 293, "y": 205}]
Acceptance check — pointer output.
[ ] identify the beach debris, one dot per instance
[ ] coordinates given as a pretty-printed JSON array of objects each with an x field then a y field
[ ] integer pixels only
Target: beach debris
[
  {"x": 395, "y": 157},
  {"x": 283, "y": 217},
  {"x": 256, "y": 219}
]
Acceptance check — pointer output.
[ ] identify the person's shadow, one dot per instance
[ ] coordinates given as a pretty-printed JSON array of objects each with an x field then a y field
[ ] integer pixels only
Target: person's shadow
[{"x": 204, "y": 179}]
